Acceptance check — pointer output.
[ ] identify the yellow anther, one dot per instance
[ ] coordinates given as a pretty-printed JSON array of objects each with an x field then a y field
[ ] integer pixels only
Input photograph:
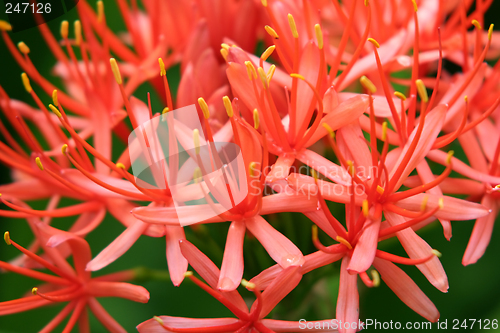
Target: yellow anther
[
  {"x": 314, "y": 174},
  {"x": 64, "y": 149},
  {"x": 366, "y": 3},
  {"x": 271, "y": 32},
  {"x": 39, "y": 163},
  {"x": 120, "y": 166},
  {"x": 165, "y": 110},
  {"x": 23, "y": 48},
  {"x": 490, "y": 31},
  {"x": 256, "y": 119},
  {"x": 6, "y": 238},
  {"x": 204, "y": 107},
  {"x": 64, "y": 29},
  {"x": 263, "y": 77},
  {"x": 365, "y": 208},
  {"x": 314, "y": 232},
  {"x": 55, "y": 100},
  {"x": 441, "y": 203},
  {"x": 270, "y": 73},
  {"x": 248, "y": 285},
  {"x": 158, "y": 319},
  {"x": 293, "y": 27},
  {"x": 34, "y": 291},
  {"x": 384, "y": 131},
  {"x": 224, "y": 53},
  {"x": 466, "y": 99},
  {"x": 423, "y": 205},
  {"x": 367, "y": 84},
  {"x": 55, "y": 110},
  {"x": 162, "y": 67},
  {"x": 415, "y": 7},
  {"x": 319, "y": 36},
  {"x": 228, "y": 105},
  {"x": 297, "y": 76},
  {"x": 5, "y": 26},
  {"x": 252, "y": 74},
  {"x": 197, "y": 176},
  {"x": 350, "y": 167},
  {"x": 115, "y": 70},
  {"x": 267, "y": 52},
  {"x": 344, "y": 241},
  {"x": 188, "y": 273},
  {"x": 264, "y": 3},
  {"x": 26, "y": 82},
  {"x": 437, "y": 253},
  {"x": 253, "y": 169},
  {"x": 477, "y": 24},
  {"x": 450, "y": 155},
  {"x": 375, "y": 278},
  {"x": 196, "y": 140},
  {"x": 225, "y": 46},
  {"x": 374, "y": 42},
  {"x": 422, "y": 91},
  {"x": 78, "y": 32},
  {"x": 380, "y": 190},
  {"x": 100, "y": 11},
  {"x": 497, "y": 186},
  {"x": 400, "y": 95},
  {"x": 330, "y": 130}
]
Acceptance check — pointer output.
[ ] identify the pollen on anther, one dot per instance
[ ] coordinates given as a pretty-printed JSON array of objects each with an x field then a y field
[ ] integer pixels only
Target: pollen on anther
[
  {"x": 204, "y": 107},
  {"x": 162, "y": 67},
  {"x": 267, "y": 52},
  {"x": 34, "y": 291},
  {"x": 422, "y": 91},
  {"x": 330, "y": 130},
  {"x": 342, "y": 240},
  {"x": 197, "y": 176},
  {"x": 5, "y": 26},
  {"x": 263, "y": 77},
  {"x": 26, "y": 82},
  {"x": 374, "y": 42},
  {"x": 271, "y": 32},
  {"x": 400, "y": 95},
  {"x": 39, "y": 163},
  {"x": 23, "y": 48},
  {"x": 437, "y": 253},
  {"x": 449, "y": 156},
  {"x": 248, "y": 285},
  {"x": 365, "y": 208},
  {"x": 477, "y": 24},
  {"x": 228, "y": 105},
  {"x": 64, "y": 149},
  {"x": 55, "y": 110},
  {"x": 196, "y": 140},
  {"x": 120, "y": 166},
  {"x": 55, "y": 100},
  {"x": 100, "y": 11},
  {"x": 293, "y": 26},
  {"x": 115, "y": 70},
  {"x": 256, "y": 119},
  {"x": 78, "y": 32},
  {"x": 319, "y": 35},
  {"x": 375, "y": 278},
  {"x": 64, "y": 29},
  {"x": 368, "y": 84},
  {"x": 6, "y": 238}
]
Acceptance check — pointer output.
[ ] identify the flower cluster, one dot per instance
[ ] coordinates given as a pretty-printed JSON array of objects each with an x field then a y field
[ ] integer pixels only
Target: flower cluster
[{"x": 350, "y": 103}]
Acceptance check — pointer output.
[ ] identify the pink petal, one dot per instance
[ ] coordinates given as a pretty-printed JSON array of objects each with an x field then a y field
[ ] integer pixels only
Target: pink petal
[
  {"x": 280, "y": 248},
  {"x": 417, "y": 248},
  {"x": 232, "y": 263},
  {"x": 364, "y": 251},
  {"x": 432, "y": 127},
  {"x": 345, "y": 113},
  {"x": 407, "y": 291},
  {"x": 453, "y": 209},
  {"x": 152, "y": 326},
  {"x": 118, "y": 247},
  {"x": 481, "y": 234},
  {"x": 282, "y": 202},
  {"x": 281, "y": 286},
  {"x": 348, "y": 299},
  {"x": 118, "y": 289},
  {"x": 209, "y": 272},
  {"x": 334, "y": 172},
  {"x": 177, "y": 264}
]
